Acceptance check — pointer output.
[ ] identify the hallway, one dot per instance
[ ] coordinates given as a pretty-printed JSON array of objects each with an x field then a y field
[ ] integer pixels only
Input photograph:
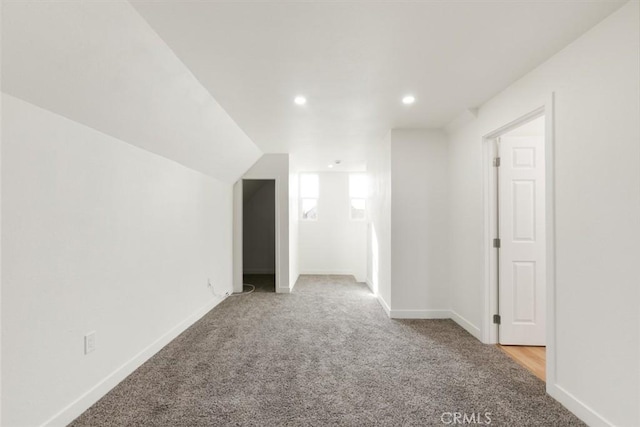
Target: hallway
[{"x": 325, "y": 354}]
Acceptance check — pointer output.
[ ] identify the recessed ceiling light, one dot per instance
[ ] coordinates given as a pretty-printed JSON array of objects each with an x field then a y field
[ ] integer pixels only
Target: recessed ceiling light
[
  {"x": 330, "y": 166},
  {"x": 409, "y": 99},
  {"x": 300, "y": 100}
]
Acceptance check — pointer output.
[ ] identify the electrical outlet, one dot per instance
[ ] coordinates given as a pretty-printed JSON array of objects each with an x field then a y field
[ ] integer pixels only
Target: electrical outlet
[{"x": 89, "y": 342}]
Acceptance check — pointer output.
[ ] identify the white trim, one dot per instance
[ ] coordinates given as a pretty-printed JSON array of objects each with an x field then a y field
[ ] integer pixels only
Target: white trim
[
  {"x": 489, "y": 331},
  {"x": 420, "y": 314},
  {"x": 384, "y": 305},
  {"x": 279, "y": 260},
  {"x": 91, "y": 396},
  {"x": 293, "y": 285},
  {"x": 331, "y": 273},
  {"x": 550, "y": 223},
  {"x": 579, "y": 408},
  {"x": 283, "y": 290},
  {"x": 326, "y": 273},
  {"x": 431, "y": 314},
  {"x": 369, "y": 284},
  {"x": 466, "y": 325},
  {"x": 1, "y": 382},
  {"x": 277, "y": 230},
  {"x": 238, "y": 194}
]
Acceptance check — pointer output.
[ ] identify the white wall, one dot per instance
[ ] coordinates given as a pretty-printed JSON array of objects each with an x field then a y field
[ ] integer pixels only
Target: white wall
[
  {"x": 596, "y": 83},
  {"x": 1, "y": 149},
  {"x": 100, "y": 63},
  {"x": 294, "y": 269},
  {"x": 99, "y": 227},
  {"x": 333, "y": 244},
  {"x": 238, "y": 202},
  {"x": 419, "y": 227},
  {"x": 259, "y": 234},
  {"x": 98, "y": 235},
  {"x": 275, "y": 166},
  {"x": 379, "y": 227}
]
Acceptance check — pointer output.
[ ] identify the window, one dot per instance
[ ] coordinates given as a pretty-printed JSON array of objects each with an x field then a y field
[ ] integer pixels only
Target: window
[
  {"x": 309, "y": 192},
  {"x": 357, "y": 197},
  {"x": 358, "y": 209}
]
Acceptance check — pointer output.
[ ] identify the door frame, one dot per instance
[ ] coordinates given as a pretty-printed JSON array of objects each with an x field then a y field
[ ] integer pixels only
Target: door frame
[
  {"x": 490, "y": 303},
  {"x": 238, "y": 232}
]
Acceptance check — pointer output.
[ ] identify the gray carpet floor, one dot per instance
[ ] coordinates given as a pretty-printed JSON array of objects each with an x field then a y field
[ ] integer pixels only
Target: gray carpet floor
[{"x": 324, "y": 355}]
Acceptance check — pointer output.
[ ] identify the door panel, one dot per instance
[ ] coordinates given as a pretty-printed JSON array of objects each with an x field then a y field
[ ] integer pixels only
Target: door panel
[
  {"x": 524, "y": 292},
  {"x": 522, "y": 233},
  {"x": 524, "y": 204}
]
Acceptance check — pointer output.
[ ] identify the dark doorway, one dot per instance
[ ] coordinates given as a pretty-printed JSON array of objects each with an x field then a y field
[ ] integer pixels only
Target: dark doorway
[{"x": 259, "y": 234}]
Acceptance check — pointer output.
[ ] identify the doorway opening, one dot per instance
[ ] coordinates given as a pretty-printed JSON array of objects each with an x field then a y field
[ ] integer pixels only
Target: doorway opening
[
  {"x": 520, "y": 225},
  {"x": 259, "y": 235},
  {"x": 519, "y": 229}
]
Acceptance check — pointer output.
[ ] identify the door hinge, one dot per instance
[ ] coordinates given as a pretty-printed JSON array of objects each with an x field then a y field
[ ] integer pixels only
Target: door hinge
[
  {"x": 496, "y": 319},
  {"x": 496, "y": 243},
  {"x": 496, "y": 162}
]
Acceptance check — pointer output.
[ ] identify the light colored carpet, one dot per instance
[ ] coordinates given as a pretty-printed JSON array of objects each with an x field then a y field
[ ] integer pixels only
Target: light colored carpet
[{"x": 324, "y": 355}]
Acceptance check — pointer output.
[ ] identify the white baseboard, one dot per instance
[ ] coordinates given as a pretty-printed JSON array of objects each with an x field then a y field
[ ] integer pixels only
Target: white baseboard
[
  {"x": 327, "y": 273},
  {"x": 384, "y": 305},
  {"x": 246, "y": 270},
  {"x": 580, "y": 409},
  {"x": 431, "y": 314},
  {"x": 466, "y": 325},
  {"x": 292, "y": 283},
  {"x": 369, "y": 284},
  {"x": 420, "y": 314},
  {"x": 359, "y": 279},
  {"x": 82, "y": 403},
  {"x": 283, "y": 290}
]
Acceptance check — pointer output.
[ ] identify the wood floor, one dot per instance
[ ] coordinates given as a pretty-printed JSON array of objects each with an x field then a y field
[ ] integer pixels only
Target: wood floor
[{"x": 532, "y": 358}]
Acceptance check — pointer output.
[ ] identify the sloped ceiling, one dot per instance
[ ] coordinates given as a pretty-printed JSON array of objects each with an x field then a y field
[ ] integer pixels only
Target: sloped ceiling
[{"x": 100, "y": 64}]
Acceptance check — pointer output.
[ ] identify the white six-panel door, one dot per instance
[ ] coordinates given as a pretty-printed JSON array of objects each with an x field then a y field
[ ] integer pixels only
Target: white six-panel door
[{"x": 522, "y": 272}]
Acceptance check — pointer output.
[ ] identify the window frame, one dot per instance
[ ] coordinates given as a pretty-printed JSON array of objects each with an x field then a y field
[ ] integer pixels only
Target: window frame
[
  {"x": 362, "y": 197},
  {"x": 302, "y": 217},
  {"x": 364, "y": 213},
  {"x": 301, "y": 199}
]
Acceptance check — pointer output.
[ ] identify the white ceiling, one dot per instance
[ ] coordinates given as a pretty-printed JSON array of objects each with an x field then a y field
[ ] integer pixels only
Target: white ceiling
[{"x": 354, "y": 60}]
